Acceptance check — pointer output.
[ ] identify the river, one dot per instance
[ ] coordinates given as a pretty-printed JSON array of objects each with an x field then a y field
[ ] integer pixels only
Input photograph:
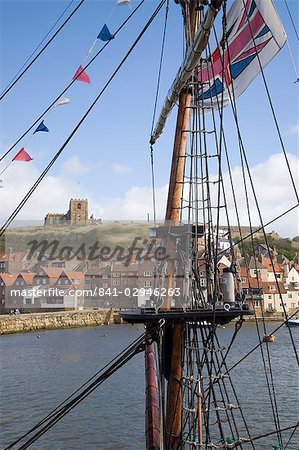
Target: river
[{"x": 39, "y": 370}]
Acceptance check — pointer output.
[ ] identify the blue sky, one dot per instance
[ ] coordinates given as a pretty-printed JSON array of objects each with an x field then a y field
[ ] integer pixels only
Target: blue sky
[{"x": 109, "y": 156}]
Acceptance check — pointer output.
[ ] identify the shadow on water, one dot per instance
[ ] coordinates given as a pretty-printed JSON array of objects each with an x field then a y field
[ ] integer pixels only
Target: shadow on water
[{"x": 37, "y": 373}]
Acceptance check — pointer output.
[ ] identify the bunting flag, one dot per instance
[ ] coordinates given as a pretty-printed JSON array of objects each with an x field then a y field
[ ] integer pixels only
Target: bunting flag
[
  {"x": 41, "y": 127},
  {"x": 124, "y": 2},
  {"x": 62, "y": 101},
  {"x": 105, "y": 34},
  {"x": 22, "y": 155},
  {"x": 82, "y": 77},
  {"x": 254, "y": 36}
]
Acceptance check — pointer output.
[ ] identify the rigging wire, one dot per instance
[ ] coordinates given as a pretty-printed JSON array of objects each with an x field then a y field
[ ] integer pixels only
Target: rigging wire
[
  {"x": 235, "y": 115},
  {"x": 292, "y": 20},
  {"x": 19, "y": 75},
  {"x": 72, "y": 82},
  {"x": 155, "y": 109},
  {"x": 264, "y": 226},
  {"x": 259, "y": 344},
  {"x": 288, "y": 43},
  {"x": 46, "y": 170},
  {"x": 271, "y": 105},
  {"x": 88, "y": 387}
]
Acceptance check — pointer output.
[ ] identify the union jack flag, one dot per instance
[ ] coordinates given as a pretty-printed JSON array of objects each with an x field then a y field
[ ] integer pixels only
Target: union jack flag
[{"x": 253, "y": 28}]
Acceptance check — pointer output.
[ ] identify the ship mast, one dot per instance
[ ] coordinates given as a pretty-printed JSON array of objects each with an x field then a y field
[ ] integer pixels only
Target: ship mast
[{"x": 174, "y": 395}]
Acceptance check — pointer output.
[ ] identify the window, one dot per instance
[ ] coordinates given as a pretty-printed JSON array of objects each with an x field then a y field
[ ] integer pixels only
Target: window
[
  {"x": 270, "y": 297},
  {"x": 28, "y": 301},
  {"x": 105, "y": 285},
  {"x": 105, "y": 276},
  {"x": 257, "y": 303},
  {"x": 147, "y": 273},
  {"x": 243, "y": 279},
  {"x": 44, "y": 281},
  {"x": 59, "y": 281},
  {"x": 293, "y": 305},
  {"x": 147, "y": 283},
  {"x": 116, "y": 274},
  {"x": 116, "y": 282},
  {"x": 54, "y": 301},
  {"x": 79, "y": 206},
  {"x": 270, "y": 305},
  {"x": 272, "y": 287},
  {"x": 290, "y": 295},
  {"x": 60, "y": 265}
]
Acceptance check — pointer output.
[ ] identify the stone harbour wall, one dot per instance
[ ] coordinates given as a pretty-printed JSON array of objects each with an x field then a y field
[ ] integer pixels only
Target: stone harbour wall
[{"x": 52, "y": 321}]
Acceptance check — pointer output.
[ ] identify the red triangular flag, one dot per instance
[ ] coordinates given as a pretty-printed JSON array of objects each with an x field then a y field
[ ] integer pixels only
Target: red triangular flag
[
  {"x": 22, "y": 156},
  {"x": 82, "y": 77}
]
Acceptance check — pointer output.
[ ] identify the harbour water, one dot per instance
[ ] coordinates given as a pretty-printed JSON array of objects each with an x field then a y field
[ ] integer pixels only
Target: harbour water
[{"x": 39, "y": 370}]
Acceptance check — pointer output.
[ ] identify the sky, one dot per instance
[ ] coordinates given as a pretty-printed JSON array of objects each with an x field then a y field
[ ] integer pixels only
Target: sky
[{"x": 108, "y": 160}]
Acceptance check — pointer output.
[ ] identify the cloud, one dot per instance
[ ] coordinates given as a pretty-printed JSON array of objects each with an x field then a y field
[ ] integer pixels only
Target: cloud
[
  {"x": 294, "y": 129},
  {"x": 74, "y": 166},
  {"x": 136, "y": 204},
  {"x": 120, "y": 169},
  {"x": 271, "y": 182},
  {"x": 52, "y": 195},
  {"x": 270, "y": 178},
  {"x": 274, "y": 191}
]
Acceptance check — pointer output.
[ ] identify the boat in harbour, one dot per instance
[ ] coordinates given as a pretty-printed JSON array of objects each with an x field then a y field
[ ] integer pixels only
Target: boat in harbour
[{"x": 294, "y": 322}]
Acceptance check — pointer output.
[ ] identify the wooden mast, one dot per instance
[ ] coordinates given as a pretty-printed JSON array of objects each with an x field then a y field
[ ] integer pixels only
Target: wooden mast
[
  {"x": 174, "y": 393},
  {"x": 173, "y": 418}
]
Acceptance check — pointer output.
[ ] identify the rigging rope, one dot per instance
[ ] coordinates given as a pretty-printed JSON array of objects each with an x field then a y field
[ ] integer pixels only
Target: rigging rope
[
  {"x": 271, "y": 104},
  {"x": 260, "y": 343},
  {"x": 292, "y": 20},
  {"x": 72, "y": 82},
  {"x": 244, "y": 158},
  {"x": 155, "y": 110},
  {"x": 46, "y": 170},
  {"x": 19, "y": 75},
  {"x": 289, "y": 47},
  {"x": 88, "y": 387}
]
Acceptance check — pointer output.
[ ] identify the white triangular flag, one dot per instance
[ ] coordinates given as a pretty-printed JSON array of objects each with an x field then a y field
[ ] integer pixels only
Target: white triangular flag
[
  {"x": 124, "y": 2},
  {"x": 62, "y": 101}
]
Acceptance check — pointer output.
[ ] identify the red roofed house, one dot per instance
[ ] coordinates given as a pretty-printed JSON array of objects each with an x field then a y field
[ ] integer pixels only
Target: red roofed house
[
  {"x": 6, "y": 280},
  {"x": 252, "y": 287}
]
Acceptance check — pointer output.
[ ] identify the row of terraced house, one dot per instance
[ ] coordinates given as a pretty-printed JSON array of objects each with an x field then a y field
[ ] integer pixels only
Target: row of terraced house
[{"x": 48, "y": 285}]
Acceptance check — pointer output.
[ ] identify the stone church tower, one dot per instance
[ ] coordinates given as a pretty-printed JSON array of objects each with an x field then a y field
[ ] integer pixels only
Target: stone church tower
[{"x": 78, "y": 211}]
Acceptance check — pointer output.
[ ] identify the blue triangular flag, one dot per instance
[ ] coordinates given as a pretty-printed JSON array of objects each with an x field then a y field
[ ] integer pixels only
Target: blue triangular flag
[
  {"x": 41, "y": 127},
  {"x": 105, "y": 34}
]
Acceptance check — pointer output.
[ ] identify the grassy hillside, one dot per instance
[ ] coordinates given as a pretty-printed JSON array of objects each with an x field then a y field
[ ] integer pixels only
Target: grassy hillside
[
  {"x": 123, "y": 234},
  {"x": 108, "y": 234}
]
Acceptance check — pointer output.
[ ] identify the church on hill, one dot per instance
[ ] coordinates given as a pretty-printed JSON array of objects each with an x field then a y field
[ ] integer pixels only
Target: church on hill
[{"x": 76, "y": 215}]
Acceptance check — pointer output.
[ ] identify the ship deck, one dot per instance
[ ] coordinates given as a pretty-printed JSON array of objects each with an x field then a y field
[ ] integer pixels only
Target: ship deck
[{"x": 219, "y": 316}]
